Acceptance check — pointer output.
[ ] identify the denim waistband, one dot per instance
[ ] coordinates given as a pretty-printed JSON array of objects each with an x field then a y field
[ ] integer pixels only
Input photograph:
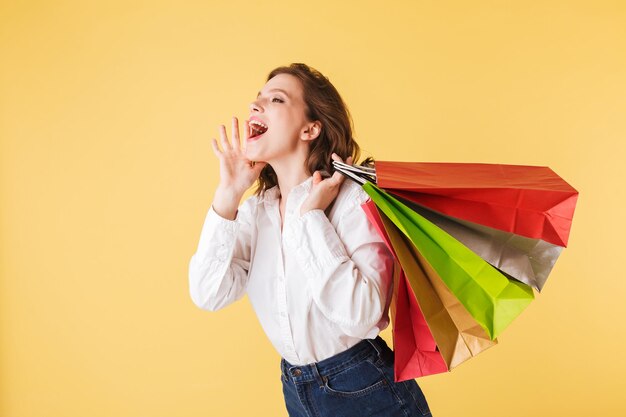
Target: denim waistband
[{"x": 317, "y": 370}]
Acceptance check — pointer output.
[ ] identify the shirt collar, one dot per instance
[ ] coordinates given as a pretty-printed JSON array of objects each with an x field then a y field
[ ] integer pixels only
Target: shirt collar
[{"x": 273, "y": 193}]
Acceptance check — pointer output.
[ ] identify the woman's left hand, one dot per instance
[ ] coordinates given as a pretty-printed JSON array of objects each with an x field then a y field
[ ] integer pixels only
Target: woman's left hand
[{"x": 323, "y": 192}]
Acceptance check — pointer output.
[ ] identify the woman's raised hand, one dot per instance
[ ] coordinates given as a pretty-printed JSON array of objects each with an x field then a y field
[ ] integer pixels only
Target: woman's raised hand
[
  {"x": 237, "y": 172},
  {"x": 324, "y": 191}
]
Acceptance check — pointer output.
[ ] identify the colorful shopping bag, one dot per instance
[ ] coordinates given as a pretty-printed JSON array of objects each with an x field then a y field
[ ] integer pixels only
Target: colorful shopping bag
[
  {"x": 457, "y": 335},
  {"x": 492, "y": 299},
  {"x": 471, "y": 241},
  {"x": 527, "y": 260}
]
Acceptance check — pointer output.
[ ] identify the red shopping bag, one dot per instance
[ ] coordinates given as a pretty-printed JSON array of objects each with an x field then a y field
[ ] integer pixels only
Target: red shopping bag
[
  {"x": 415, "y": 350},
  {"x": 530, "y": 201}
]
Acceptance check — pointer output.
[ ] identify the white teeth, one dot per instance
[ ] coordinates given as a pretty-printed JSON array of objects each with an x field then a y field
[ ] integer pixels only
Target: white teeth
[
  {"x": 257, "y": 128},
  {"x": 258, "y": 123}
]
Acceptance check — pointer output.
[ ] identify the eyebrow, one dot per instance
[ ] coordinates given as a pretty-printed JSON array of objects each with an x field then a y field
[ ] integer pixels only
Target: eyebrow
[{"x": 275, "y": 89}]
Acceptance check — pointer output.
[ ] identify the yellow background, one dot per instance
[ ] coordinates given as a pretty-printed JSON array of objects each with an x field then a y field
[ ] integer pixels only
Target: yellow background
[{"x": 107, "y": 111}]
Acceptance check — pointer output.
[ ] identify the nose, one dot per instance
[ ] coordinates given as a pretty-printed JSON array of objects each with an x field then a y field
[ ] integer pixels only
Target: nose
[{"x": 254, "y": 106}]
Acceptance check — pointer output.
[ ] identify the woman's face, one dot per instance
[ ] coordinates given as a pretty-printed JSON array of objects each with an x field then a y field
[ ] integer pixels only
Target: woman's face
[{"x": 283, "y": 112}]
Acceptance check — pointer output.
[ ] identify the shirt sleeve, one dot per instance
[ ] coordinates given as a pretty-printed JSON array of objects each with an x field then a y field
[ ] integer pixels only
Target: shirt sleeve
[
  {"x": 218, "y": 271},
  {"x": 349, "y": 268}
]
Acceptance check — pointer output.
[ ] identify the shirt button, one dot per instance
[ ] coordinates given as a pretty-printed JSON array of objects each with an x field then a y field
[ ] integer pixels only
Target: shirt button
[{"x": 296, "y": 372}]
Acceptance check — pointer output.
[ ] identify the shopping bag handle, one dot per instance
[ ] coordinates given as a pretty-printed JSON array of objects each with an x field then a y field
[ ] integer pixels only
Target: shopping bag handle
[{"x": 356, "y": 173}]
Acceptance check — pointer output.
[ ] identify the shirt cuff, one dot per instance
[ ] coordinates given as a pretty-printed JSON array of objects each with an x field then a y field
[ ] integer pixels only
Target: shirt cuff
[
  {"x": 317, "y": 246},
  {"x": 218, "y": 235}
]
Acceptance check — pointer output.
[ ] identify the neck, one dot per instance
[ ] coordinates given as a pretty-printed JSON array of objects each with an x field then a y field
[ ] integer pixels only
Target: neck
[{"x": 289, "y": 174}]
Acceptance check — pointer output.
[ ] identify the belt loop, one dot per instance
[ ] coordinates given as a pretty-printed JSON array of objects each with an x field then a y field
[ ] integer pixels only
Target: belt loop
[
  {"x": 374, "y": 343},
  {"x": 321, "y": 380},
  {"x": 283, "y": 370}
]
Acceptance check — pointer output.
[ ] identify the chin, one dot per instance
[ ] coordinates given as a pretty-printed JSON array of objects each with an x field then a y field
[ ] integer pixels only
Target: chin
[{"x": 253, "y": 156}]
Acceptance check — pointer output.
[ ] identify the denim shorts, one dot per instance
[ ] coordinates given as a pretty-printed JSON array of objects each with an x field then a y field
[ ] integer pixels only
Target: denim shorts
[{"x": 356, "y": 382}]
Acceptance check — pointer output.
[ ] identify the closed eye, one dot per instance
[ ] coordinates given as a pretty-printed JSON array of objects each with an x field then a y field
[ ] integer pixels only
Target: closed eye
[{"x": 276, "y": 98}]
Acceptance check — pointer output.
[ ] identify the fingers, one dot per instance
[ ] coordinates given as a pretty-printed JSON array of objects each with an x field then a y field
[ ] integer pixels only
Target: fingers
[
  {"x": 338, "y": 158},
  {"x": 235, "y": 129},
  {"x": 246, "y": 135},
  {"x": 337, "y": 178},
  {"x": 216, "y": 149},
  {"x": 317, "y": 177},
  {"x": 224, "y": 138},
  {"x": 235, "y": 143}
]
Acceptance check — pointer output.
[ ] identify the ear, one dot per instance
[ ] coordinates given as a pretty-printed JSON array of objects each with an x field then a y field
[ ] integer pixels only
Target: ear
[{"x": 311, "y": 131}]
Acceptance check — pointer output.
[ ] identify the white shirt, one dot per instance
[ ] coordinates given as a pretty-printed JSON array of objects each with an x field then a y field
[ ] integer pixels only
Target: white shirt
[{"x": 318, "y": 288}]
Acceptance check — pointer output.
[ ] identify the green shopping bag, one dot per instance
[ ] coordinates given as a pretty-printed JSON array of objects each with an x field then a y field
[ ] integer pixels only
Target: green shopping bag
[{"x": 492, "y": 299}]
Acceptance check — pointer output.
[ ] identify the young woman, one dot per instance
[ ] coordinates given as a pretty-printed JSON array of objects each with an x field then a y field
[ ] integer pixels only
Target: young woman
[{"x": 318, "y": 275}]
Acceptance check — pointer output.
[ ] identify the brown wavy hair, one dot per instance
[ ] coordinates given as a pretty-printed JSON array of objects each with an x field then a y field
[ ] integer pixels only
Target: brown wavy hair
[{"x": 323, "y": 103}]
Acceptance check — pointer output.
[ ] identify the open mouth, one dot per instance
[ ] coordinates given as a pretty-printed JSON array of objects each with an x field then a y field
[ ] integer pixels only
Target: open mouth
[{"x": 256, "y": 129}]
